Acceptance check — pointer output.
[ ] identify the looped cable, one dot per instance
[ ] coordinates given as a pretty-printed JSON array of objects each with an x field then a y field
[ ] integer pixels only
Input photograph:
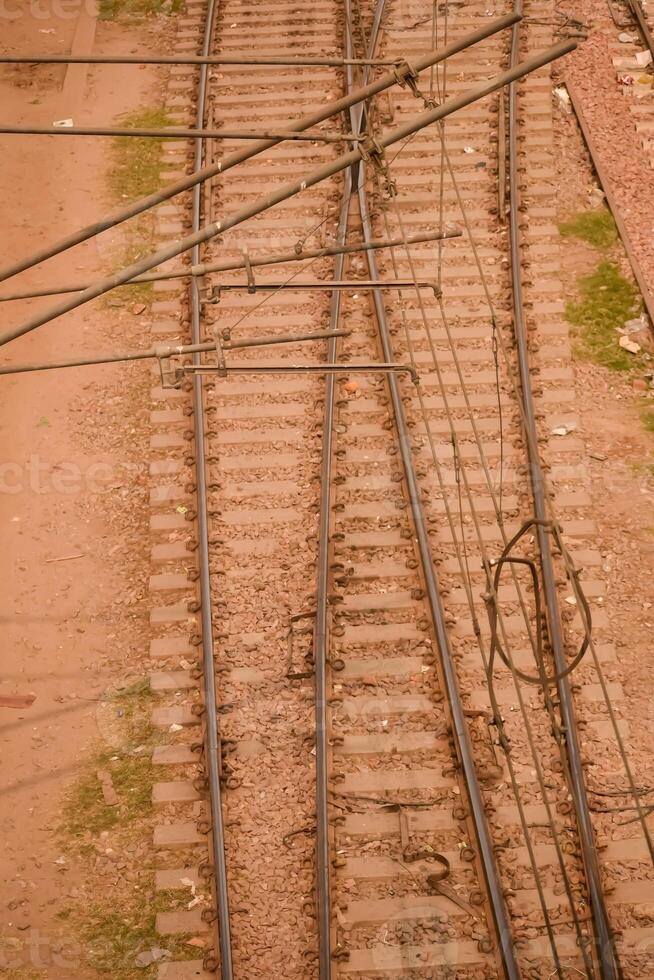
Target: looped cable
[{"x": 542, "y": 680}]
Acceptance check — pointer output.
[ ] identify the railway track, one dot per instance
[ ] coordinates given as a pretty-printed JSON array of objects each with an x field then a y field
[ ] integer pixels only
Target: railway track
[{"x": 382, "y": 791}]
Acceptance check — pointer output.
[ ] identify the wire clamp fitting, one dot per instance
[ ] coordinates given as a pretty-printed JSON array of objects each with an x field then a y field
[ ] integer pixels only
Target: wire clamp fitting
[
  {"x": 252, "y": 286},
  {"x": 373, "y": 152},
  {"x": 406, "y": 76},
  {"x": 220, "y": 353},
  {"x": 171, "y": 377}
]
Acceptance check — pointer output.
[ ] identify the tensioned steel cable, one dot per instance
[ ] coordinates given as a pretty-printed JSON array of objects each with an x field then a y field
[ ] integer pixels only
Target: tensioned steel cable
[
  {"x": 419, "y": 299},
  {"x": 459, "y": 726},
  {"x": 501, "y": 345},
  {"x": 511, "y": 370},
  {"x": 606, "y": 956},
  {"x": 461, "y": 557}
]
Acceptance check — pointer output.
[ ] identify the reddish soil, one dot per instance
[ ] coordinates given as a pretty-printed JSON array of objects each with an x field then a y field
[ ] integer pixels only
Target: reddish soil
[{"x": 68, "y": 500}]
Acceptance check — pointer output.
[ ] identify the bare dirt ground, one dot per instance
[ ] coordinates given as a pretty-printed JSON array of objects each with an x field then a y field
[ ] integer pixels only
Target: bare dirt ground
[{"x": 72, "y": 488}]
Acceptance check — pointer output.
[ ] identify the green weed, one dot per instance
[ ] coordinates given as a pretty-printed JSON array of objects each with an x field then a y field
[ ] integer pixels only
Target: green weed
[
  {"x": 606, "y": 301},
  {"x": 135, "y": 160},
  {"x": 115, "y": 932},
  {"x": 85, "y": 812},
  {"x": 597, "y": 228},
  {"x": 138, "y": 9}
]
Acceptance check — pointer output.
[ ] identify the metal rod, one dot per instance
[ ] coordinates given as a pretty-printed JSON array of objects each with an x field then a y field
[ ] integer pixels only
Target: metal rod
[
  {"x": 229, "y": 265},
  {"x": 166, "y": 350},
  {"x": 605, "y": 184},
  {"x": 458, "y": 722},
  {"x": 327, "y": 368},
  {"x": 603, "y": 945},
  {"x": 335, "y": 166},
  {"x": 176, "y": 134},
  {"x": 329, "y": 284},
  {"x": 212, "y": 59},
  {"x": 386, "y": 81}
]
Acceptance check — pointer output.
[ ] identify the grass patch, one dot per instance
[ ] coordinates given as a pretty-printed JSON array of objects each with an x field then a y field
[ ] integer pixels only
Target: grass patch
[
  {"x": 135, "y": 163},
  {"x": 135, "y": 172},
  {"x": 85, "y": 812},
  {"x": 114, "y": 933},
  {"x": 647, "y": 418},
  {"x": 606, "y": 301},
  {"x": 138, "y": 9},
  {"x": 596, "y": 228}
]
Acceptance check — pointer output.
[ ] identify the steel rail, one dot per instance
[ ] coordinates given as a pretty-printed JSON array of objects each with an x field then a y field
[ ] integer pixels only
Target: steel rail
[
  {"x": 231, "y": 265},
  {"x": 604, "y": 945},
  {"x": 321, "y": 626},
  {"x": 342, "y": 162},
  {"x": 380, "y": 84},
  {"x": 639, "y": 16},
  {"x": 458, "y": 723},
  {"x": 213, "y": 748}
]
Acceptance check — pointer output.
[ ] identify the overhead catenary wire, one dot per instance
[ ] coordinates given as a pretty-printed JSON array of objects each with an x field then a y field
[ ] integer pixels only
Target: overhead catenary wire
[
  {"x": 342, "y": 162},
  {"x": 461, "y": 470},
  {"x": 221, "y": 167},
  {"x": 298, "y": 254}
]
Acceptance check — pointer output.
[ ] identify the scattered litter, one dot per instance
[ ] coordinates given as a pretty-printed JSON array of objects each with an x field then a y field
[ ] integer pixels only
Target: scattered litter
[
  {"x": 571, "y": 600},
  {"x": 644, "y": 58},
  {"x": 351, "y": 387},
  {"x": 175, "y": 727},
  {"x": 63, "y": 124},
  {"x": 47, "y": 30},
  {"x": 196, "y": 941},
  {"x": 626, "y": 38},
  {"x": 469, "y": 149},
  {"x": 600, "y": 456},
  {"x": 562, "y": 95},
  {"x": 188, "y": 883},
  {"x": 17, "y": 700},
  {"x": 139, "y": 308},
  {"x": 563, "y": 430},
  {"x": 181, "y": 509},
  {"x": 150, "y": 956},
  {"x": 630, "y": 345},
  {"x": 48, "y": 561},
  {"x": 60, "y": 860},
  {"x": 627, "y": 80}
]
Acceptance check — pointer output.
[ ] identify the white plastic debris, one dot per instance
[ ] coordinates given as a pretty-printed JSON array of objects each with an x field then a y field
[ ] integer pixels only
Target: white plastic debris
[
  {"x": 469, "y": 149},
  {"x": 644, "y": 58},
  {"x": 570, "y": 599},
  {"x": 562, "y": 95},
  {"x": 563, "y": 430},
  {"x": 626, "y": 38},
  {"x": 63, "y": 123},
  {"x": 628, "y": 344}
]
